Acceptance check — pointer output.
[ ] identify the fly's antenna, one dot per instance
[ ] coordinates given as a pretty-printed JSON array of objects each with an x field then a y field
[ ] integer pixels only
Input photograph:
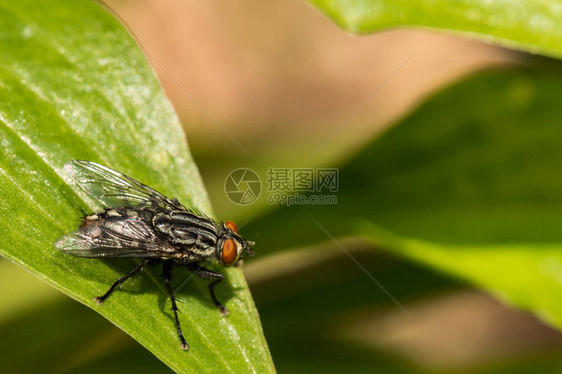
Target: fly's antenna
[{"x": 248, "y": 244}]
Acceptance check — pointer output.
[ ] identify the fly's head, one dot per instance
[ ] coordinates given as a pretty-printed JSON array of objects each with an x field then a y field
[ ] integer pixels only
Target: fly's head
[{"x": 231, "y": 246}]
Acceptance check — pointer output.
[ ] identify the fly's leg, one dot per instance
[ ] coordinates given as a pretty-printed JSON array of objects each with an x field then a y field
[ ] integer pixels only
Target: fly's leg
[
  {"x": 203, "y": 273},
  {"x": 167, "y": 275},
  {"x": 101, "y": 299}
]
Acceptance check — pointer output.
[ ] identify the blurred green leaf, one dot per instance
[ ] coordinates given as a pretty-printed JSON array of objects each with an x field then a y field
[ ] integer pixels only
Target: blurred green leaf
[
  {"x": 532, "y": 26},
  {"x": 74, "y": 85},
  {"x": 22, "y": 291},
  {"x": 37, "y": 333},
  {"x": 470, "y": 183},
  {"x": 303, "y": 310},
  {"x": 307, "y": 313}
]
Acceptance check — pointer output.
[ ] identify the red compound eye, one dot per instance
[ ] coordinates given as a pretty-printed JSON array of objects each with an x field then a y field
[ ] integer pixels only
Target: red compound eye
[
  {"x": 231, "y": 225},
  {"x": 229, "y": 252}
]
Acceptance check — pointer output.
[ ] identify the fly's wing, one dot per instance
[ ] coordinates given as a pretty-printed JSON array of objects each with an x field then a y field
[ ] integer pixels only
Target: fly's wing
[
  {"x": 118, "y": 237},
  {"x": 114, "y": 189}
]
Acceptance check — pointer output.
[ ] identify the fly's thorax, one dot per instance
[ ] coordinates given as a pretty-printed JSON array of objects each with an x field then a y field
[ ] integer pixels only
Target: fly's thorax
[{"x": 195, "y": 234}]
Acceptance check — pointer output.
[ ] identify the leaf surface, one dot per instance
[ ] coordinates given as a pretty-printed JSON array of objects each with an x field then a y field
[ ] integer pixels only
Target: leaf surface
[
  {"x": 532, "y": 25},
  {"x": 74, "y": 85}
]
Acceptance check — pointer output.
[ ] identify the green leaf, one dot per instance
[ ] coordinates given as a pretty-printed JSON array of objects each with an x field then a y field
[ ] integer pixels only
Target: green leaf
[
  {"x": 532, "y": 26},
  {"x": 469, "y": 183},
  {"x": 74, "y": 85}
]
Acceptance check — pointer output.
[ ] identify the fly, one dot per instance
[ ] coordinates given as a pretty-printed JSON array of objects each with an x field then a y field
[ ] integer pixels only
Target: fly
[{"x": 139, "y": 222}]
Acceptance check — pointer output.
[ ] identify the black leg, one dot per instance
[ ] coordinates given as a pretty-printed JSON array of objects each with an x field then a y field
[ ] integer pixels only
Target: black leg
[
  {"x": 201, "y": 272},
  {"x": 167, "y": 275},
  {"x": 101, "y": 299}
]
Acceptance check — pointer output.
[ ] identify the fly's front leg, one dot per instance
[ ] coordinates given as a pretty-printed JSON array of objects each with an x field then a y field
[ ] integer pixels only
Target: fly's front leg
[
  {"x": 167, "y": 275},
  {"x": 101, "y": 299},
  {"x": 201, "y": 272}
]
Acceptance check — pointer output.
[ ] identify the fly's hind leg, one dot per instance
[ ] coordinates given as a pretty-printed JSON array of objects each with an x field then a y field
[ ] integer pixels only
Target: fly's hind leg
[
  {"x": 201, "y": 272},
  {"x": 101, "y": 299},
  {"x": 167, "y": 275}
]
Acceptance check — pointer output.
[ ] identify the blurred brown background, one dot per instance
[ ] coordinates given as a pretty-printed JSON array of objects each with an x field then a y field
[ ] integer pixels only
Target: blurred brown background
[{"x": 281, "y": 73}]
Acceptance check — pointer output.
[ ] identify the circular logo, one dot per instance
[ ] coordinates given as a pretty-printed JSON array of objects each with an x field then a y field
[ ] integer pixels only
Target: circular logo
[{"x": 242, "y": 186}]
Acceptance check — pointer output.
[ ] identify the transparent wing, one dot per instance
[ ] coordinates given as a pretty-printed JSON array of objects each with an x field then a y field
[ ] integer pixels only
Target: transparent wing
[
  {"x": 114, "y": 189},
  {"x": 120, "y": 237}
]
